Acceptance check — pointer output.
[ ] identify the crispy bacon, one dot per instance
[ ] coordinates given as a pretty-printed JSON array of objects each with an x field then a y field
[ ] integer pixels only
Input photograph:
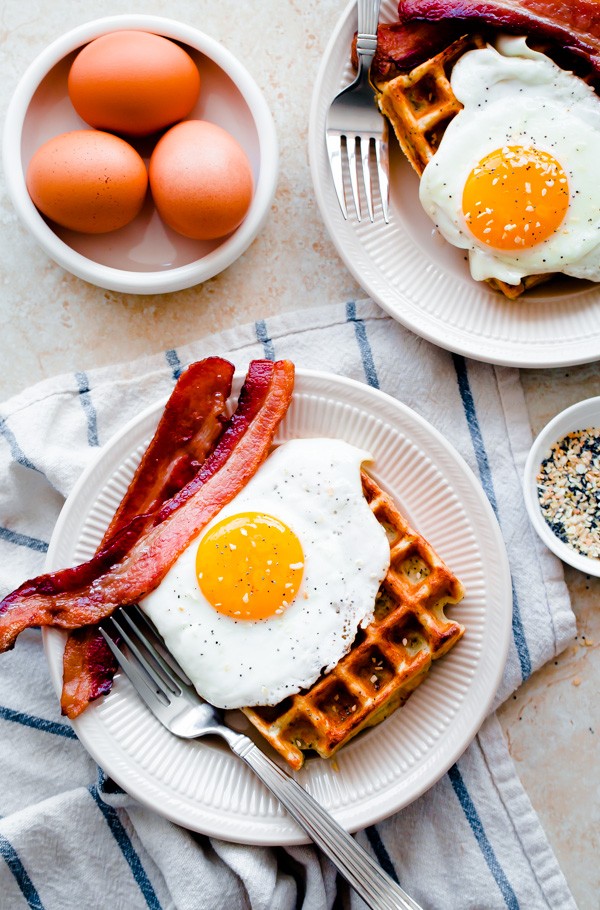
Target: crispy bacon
[
  {"x": 88, "y": 670},
  {"x": 121, "y": 573},
  {"x": 187, "y": 432},
  {"x": 188, "y": 429},
  {"x": 402, "y": 46},
  {"x": 574, "y": 26}
]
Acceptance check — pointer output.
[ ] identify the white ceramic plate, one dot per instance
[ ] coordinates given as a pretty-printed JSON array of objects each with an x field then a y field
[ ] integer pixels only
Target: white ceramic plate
[
  {"x": 580, "y": 416},
  {"x": 201, "y": 785},
  {"x": 424, "y": 282}
]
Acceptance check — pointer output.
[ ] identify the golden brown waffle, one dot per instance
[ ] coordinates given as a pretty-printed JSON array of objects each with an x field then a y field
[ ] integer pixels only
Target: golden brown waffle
[
  {"x": 420, "y": 104},
  {"x": 388, "y": 659}
]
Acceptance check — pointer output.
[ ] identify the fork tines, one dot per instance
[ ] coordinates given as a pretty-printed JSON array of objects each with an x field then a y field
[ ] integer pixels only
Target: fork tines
[
  {"x": 337, "y": 142},
  {"x": 147, "y": 664}
]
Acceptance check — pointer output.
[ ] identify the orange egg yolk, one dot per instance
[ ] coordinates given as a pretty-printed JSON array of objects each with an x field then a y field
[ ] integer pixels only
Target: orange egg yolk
[
  {"x": 515, "y": 198},
  {"x": 249, "y": 566}
]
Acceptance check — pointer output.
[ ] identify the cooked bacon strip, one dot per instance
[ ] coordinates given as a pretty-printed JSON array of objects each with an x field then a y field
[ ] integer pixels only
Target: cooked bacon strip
[
  {"x": 188, "y": 429},
  {"x": 88, "y": 670},
  {"x": 121, "y": 574},
  {"x": 190, "y": 425},
  {"x": 402, "y": 46},
  {"x": 575, "y": 26}
]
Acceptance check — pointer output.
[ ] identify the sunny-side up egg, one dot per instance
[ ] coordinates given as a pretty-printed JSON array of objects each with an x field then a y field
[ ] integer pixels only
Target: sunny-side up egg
[
  {"x": 274, "y": 589},
  {"x": 201, "y": 180},
  {"x": 88, "y": 181},
  {"x": 133, "y": 82},
  {"x": 515, "y": 178}
]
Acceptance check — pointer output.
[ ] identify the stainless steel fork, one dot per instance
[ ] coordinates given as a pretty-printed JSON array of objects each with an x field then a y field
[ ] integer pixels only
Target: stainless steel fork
[
  {"x": 165, "y": 689},
  {"x": 355, "y": 118}
]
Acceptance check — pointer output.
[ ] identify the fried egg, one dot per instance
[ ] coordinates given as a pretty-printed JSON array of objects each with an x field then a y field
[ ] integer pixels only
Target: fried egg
[
  {"x": 272, "y": 592},
  {"x": 514, "y": 180}
]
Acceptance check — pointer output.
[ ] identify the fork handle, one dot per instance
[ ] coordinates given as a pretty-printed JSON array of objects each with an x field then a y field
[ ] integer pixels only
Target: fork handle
[
  {"x": 367, "y": 878},
  {"x": 366, "y": 37}
]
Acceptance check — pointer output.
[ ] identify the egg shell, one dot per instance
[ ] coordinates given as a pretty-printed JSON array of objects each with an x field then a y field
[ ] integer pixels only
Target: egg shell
[
  {"x": 133, "y": 82},
  {"x": 201, "y": 180},
  {"x": 88, "y": 181}
]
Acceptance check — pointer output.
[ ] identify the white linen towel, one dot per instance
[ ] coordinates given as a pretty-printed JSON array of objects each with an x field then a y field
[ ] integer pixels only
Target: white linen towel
[{"x": 70, "y": 839}]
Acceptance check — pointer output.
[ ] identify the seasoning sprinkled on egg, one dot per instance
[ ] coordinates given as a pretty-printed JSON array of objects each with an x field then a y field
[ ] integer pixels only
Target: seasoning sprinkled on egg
[{"x": 273, "y": 578}]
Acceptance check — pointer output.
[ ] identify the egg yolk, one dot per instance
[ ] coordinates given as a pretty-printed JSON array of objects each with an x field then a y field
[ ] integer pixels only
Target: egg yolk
[
  {"x": 515, "y": 198},
  {"x": 249, "y": 566}
]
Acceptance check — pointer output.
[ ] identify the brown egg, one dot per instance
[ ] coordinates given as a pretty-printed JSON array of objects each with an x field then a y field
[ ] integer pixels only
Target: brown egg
[
  {"x": 88, "y": 181},
  {"x": 201, "y": 180},
  {"x": 133, "y": 83}
]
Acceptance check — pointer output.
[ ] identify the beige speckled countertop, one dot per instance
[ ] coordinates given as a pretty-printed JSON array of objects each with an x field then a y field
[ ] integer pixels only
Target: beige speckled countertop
[{"x": 52, "y": 322}]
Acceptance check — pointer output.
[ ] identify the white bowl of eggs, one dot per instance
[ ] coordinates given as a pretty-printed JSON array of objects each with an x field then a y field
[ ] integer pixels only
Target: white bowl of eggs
[{"x": 140, "y": 154}]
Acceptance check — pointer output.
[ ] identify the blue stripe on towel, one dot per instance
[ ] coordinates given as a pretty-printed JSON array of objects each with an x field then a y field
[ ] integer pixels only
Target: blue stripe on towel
[
  {"x": 23, "y": 540},
  {"x": 485, "y": 475},
  {"x": 88, "y": 407},
  {"x": 123, "y": 840},
  {"x": 468, "y": 807},
  {"x": 360, "y": 331},
  {"x": 175, "y": 363},
  {"x": 38, "y": 723},
  {"x": 11, "y": 858},
  {"x": 106, "y": 785},
  {"x": 383, "y": 857},
  {"x": 468, "y": 404},
  {"x": 15, "y": 449},
  {"x": 260, "y": 327}
]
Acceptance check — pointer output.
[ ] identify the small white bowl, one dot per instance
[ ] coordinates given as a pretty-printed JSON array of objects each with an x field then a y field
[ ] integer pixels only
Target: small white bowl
[
  {"x": 579, "y": 416},
  {"x": 145, "y": 257}
]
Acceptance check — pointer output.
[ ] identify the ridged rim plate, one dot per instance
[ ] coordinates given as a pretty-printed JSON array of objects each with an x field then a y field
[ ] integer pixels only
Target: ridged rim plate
[
  {"x": 420, "y": 279},
  {"x": 200, "y": 784}
]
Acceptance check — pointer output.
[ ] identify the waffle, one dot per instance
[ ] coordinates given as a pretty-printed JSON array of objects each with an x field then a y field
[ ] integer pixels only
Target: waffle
[
  {"x": 420, "y": 104},
  {"x": 387, "y": 660}
]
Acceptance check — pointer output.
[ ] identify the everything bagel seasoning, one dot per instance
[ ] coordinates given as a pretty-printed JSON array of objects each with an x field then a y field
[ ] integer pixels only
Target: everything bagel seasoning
[{"x": 568, "y": 485}]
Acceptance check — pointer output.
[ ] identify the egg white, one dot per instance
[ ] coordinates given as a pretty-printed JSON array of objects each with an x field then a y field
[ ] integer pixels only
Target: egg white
[
  {"x": 513, "y": 95},
  {"x": 313, "y": 486}
]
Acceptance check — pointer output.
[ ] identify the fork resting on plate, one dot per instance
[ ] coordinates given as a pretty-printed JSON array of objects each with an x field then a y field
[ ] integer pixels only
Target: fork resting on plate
[
  {"x": 354, "y": 116},
  {"x": 165, "y": 689}
]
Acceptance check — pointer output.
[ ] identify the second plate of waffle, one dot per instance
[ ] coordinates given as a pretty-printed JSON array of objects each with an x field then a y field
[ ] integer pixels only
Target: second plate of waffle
[
  {"x": 410, "y": 269},
  {"x": 417, "y": 481}
]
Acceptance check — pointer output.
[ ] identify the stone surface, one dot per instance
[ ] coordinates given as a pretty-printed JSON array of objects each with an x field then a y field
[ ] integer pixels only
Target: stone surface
[{"x": 52, "y": 322}]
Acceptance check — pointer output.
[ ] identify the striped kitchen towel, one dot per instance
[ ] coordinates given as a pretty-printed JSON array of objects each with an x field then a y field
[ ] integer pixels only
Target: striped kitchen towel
[{"x": 70, "y": 838}]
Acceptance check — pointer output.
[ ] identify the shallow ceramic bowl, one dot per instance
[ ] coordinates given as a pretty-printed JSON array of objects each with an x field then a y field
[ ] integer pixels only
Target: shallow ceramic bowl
[
  {"x": 579, "y": 416},
  {"x": 145, "y": 256}
]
